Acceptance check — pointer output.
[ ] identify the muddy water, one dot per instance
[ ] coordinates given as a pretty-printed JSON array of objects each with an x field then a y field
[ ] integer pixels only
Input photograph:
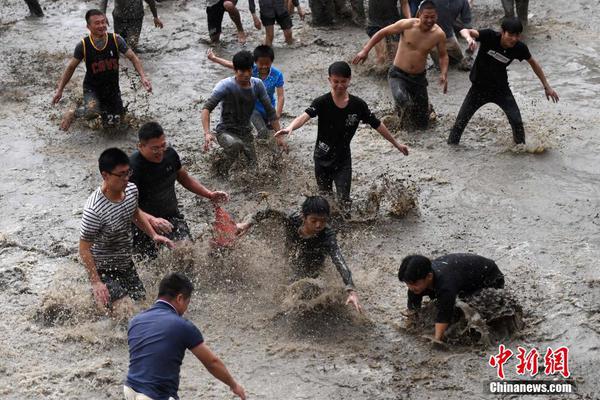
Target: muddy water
[{"x": 533, "y": 209}]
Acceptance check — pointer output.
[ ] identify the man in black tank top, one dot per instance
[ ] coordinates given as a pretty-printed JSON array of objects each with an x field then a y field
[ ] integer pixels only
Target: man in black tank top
[{"x": 101, "y": 92}]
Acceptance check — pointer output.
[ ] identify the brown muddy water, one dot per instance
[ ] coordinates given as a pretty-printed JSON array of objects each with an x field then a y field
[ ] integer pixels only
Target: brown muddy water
[{"x": 536, "y": 210}]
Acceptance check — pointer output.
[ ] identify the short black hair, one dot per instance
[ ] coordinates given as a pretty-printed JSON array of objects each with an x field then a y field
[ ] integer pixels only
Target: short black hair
[
  {"x": 340, "y": 68},
  {"x": 426, "y": 5},
  {"x": 91, "y": 13},
  {"x": 414, "y": 268},
  {"x": 315, "y": 205},
  {"x": 512, "y": 25},
  {"x": 150, "y": 130},
  {"x": 264, "y": 51},
  {"x": 243, "y": 60},
  {"x": 173, "y": 284},
  {"x": 110, "y": 158}
]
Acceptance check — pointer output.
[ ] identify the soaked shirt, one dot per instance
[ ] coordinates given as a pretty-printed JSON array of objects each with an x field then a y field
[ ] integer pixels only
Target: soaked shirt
[
  {"x": 492, "y": 59},
  {"x": 457, "y": 275},
  {"x": 273, "y": 81},
  {"x": 237, "y": 105},
  {"x": 307, "y": 255},
  {"x": 158, "y": 339},
  {"x": 449, "y": 11},
  {"x": 337, "y": 126},
  {"x": 107, "y": 225},
  {"x": 156, "y": 183}
]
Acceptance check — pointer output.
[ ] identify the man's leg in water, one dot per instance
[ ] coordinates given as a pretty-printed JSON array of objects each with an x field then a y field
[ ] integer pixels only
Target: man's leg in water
[
  {"x": 232, "y": 147},
  {"x": 234, "y": 14},
  {"x": 509, "y": 8},
  {"x": 285, "y": 23},
  {"x": 89, "y": 110},
  {"x": 474, "y": 100},
  {"x": 262, "y": 130},
  {"x": 322, "y": 11},
  {"x": 522, "y": 10},
  {"x": 249, "y": 149},
  {"x": 34, "y": 8},
  {"x": 343, "y": 181},
  {"x": 134, "y": 31},
  {"x": 506, "y": 101},
  {"x": 214, "y": 19},
  {"x": 112, "y": 109},
  {"x": 324, "y": 177},
  {"x": 399, "y": 88}
]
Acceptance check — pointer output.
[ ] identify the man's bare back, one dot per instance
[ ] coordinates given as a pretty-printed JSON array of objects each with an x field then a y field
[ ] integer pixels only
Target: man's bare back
[{"x": 416, "y": 42}]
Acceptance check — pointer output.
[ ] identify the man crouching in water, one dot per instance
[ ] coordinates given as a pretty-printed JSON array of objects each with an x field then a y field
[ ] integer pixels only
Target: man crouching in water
[{"x": 309, "y": 239}]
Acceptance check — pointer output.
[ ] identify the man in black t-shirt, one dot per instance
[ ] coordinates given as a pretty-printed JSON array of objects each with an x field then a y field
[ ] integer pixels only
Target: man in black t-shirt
[
  {"x": 339, "y": 114},
  {"x": 101, "y": 92},
  {"x": 444, "y": 279},
  {"x": 490, "y": 79},
  {"x": 156, "y": 166}
]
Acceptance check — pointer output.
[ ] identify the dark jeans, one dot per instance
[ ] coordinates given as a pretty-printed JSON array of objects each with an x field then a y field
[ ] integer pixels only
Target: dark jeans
[
  {"x": 339, "y": 173},
  {"x": 477, "y": 97},
  {"x": 34, "y": 8},
  {"x": 129, "y": 29},
  {"x": 410, "y": 94}
]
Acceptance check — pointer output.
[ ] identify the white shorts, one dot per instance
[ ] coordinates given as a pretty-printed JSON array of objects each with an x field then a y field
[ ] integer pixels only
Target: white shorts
[{"x": 131, "y": 394}]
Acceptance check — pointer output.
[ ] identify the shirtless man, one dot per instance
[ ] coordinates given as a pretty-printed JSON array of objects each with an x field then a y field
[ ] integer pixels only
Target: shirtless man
[{"x": 407, "y": 76}]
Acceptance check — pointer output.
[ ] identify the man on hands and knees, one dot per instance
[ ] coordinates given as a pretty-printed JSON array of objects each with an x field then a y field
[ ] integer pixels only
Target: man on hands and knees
[
  {"x": 238, "y": 95},
  {"x": 158, "y": 339},
  {"x": 406, "y": 77},
  {"x": 101, "y": 91},
  {"x": 490, "y": 79},
  {"x": 339, "y": 114},
  {"x": 309, "y": 239},
  {"x": 105, "y": 242},
  {"x": 444, "y": 279},
  {"x": 156, "y": 167}
]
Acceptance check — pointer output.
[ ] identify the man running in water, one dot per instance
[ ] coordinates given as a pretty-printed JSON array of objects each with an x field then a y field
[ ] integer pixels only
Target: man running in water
[
  {"x": 407, "y": 76},
  {"x": 490, "y": 80},
  {"x": 339, "y": 114},
  {"x": 101, "y": 92},
  {"x": 128, "y": 17},
  {"x": 309, "y": 239},
  {"x": 215, "y": 10},
  {"x": 272, "y": 11}
]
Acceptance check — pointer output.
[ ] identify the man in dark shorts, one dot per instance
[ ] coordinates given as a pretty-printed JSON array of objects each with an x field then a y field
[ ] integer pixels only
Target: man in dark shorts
[
  {"x": 522, "y": 7},
  {"x": 101, "y": 91},
  {"x": 105, "y": 241},
  {"x": 339, "y": 114},
  {"x": 215, "y": 9},
  {"x": 490, "y": 79},
  {"x": 407, "y": 77},
  {"x": 128, "y": 17},
  {"x": 156, "y": 166},
  {"x": 272, "y": 11},
  {"x": 309, "y": 239},
  {"x": 35, "y": 10},
  {"x": 444, "y": 279},
  {"x": 237, "y": 95},
  {"x": 158, "y": 339},
  {"x": 381, "y": 14}
]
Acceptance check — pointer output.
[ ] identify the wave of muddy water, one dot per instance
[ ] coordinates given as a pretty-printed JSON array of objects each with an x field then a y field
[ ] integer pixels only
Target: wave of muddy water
[{"x": 536, "y": 213}]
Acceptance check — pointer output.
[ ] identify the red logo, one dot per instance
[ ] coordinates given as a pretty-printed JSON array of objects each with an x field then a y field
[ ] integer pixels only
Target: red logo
[{"x": 555, "y": 361}]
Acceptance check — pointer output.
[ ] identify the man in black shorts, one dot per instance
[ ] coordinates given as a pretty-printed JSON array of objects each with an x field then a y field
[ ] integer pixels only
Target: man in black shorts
[
  {"x": 101, "y": 91},
  {"x": 444, "y": 279},
  {"x": 381, "y": 14},
  {"x": 105, "y": 241},
  {"x": 215, "y": 9},
  {"x": 272, "y": 11},
  {"x": 128, "y": 17},
  {"x": 339, "y": 114},
  {"x": 155, "y": 167},
  {"x": 490, "y": 80}
]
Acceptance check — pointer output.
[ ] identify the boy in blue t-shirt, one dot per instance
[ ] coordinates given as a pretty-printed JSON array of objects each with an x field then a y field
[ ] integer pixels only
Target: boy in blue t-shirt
[{"x": 272, "y": 79}]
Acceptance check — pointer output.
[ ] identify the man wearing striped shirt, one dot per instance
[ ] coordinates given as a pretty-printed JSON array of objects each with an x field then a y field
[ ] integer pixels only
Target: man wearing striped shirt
[{"x": 105, "y": 244}]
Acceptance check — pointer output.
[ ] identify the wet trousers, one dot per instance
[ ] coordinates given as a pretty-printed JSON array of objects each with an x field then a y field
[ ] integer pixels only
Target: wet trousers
[
  {"x": 410, "y": 94},
  {"x": 522, "y": 7},
  {"x": 262, "y": 127},
  {"x": 129, "y": 29},
  {"x": 235, "y": 145},
  {"x": 480, "y": 95},
  {"x": 339, "y": 173}
]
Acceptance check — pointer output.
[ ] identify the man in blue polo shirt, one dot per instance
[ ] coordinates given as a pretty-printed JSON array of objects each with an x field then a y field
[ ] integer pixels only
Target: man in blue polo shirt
[{"x": 158, "y": 338}]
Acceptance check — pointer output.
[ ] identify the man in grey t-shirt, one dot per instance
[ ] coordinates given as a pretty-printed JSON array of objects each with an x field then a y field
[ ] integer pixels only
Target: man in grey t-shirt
[
  {"x": 237, "y": 95},
  {"x": 448, "y": 12},
  {"x": 128, "y": 17}
]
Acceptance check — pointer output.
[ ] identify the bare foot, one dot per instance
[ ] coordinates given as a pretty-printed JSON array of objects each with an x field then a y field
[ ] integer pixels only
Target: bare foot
[
  {"x": 241, "y": 37},
  {"x": 67, "y": 120}
]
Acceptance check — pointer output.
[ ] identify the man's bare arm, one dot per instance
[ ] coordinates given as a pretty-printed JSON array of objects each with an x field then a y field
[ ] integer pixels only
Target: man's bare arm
[
  {"x": 221, "y": 61},
  {"x": 383, "y": 131},
  {"x": 215, "y": 366},
  {"x": 405, "y": 8},
  {"x": 393, "y": 29},
  {"x": 537, "y": 69},
  {"x": 99, "y": 289},
  {"x": 298, "y": 122},
  {"x": 444, "y": 61},
  {"x": 104, "y": 6},
  {"x": 137, "y": 64},
  {"x": 440, "y": 328},
  {"x": 65, "y": 78},
  {"x": 280, "y": 91}
]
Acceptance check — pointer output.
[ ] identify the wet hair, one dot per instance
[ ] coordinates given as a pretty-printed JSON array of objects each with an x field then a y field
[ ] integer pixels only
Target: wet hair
[
  {"x": 512, "y": 25},
  {"x": 243, "y": 60},
  {"x": 110, "y": 158},
  {"x": 414, "y": 268},
  {"x": 340, "y": 68},
  {"x": 173, "y": 284},
  {"x": 264, "y": 51},
  {"x": 426, "y": 5},
  {"x": 91, "y": 13},
  {"x": 315, "y": 205},
  {"x": 150, "y": 130}
]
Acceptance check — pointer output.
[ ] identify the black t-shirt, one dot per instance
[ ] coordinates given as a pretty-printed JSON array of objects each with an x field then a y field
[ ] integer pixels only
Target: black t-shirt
[
  {"x": 456, "y": 275},
  {"x": 492, "y": 59},
  {"x": 337, "y": 127},
  {"x": 156, "y": 183}
]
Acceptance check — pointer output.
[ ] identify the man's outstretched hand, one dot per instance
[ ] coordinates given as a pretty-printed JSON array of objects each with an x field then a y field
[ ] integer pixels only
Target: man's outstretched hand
[
  {"x": 551, "y": 94},
  {"x": 353, "y": 299}
]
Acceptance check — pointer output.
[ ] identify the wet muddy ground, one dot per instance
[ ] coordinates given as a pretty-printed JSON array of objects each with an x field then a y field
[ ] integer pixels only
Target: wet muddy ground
[{"x": 535, "y": 210}]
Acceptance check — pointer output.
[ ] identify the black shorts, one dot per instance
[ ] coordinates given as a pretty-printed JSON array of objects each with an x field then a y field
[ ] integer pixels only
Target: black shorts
[
  {"x": 108, "y": 104},
  {"x": 214, "y": 17},
  {"x": 123, "y": 282},
  {"x": 372, "y": 30},
  {"x": 283, "y": 20}
]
